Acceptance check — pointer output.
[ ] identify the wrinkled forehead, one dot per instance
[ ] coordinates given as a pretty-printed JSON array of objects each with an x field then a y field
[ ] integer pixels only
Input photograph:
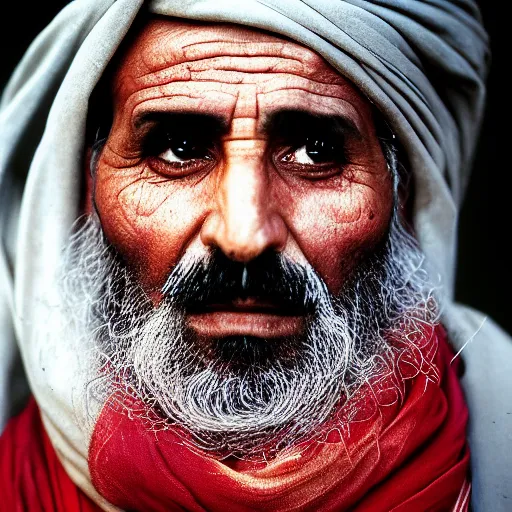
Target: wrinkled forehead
[
  {"x": 163, "y": 42},
  {"x": 165, "y": 50}
]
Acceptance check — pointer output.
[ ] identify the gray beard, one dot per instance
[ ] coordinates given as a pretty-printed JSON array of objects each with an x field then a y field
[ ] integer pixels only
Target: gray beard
[{"x": 246, "y": 410}]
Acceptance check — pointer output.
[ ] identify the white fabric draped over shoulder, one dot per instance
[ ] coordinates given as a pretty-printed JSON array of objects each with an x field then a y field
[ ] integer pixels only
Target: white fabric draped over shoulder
[{"x": 422, "y": 63}]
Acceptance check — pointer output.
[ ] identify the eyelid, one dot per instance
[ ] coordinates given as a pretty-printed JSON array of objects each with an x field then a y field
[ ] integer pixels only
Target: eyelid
[
  {"x": 204, "y": 154},
  {"x": 177, "y": 161},
  {"x": 182, "y": 170},
  {"x": 308, "y": 171}
]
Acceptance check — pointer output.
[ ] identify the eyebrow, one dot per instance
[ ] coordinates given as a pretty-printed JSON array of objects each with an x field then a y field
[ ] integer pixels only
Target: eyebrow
[
  {"x": 285, "y": 122},
  {"x": 208, "y": 122},
  {"x": 296, "y": 121}
]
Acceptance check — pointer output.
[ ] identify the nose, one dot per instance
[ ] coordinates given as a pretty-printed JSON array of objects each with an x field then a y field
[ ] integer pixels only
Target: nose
[{"x": 245, "y": 222}]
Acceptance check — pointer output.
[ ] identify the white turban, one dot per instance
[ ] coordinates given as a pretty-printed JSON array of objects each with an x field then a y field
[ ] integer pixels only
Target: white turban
[{"x": 421, "y": 62}]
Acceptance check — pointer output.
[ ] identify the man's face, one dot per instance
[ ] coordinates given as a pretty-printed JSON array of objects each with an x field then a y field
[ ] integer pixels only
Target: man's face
[
  {"x": 255, "y": 268},
  {"x": 228, "y": 138}
]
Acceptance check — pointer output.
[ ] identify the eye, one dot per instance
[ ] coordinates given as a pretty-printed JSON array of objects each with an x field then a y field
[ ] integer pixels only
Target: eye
[
  {"x": 183, "y": 149},
  {"x": 314, "y": 151},
  {"x": 182, "y": 155},
  {"x": 314, "y": 157}
]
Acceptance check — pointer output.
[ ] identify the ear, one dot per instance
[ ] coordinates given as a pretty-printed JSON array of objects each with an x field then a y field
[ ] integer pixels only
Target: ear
[{"x": 88, "y": 184}]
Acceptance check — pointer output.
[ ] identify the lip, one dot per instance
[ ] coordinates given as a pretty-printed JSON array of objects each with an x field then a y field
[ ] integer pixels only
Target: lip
[{"x": 249, "y": 317}]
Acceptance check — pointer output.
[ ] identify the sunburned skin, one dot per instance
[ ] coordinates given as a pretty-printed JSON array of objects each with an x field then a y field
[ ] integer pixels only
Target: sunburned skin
[{"x": 250, "y": 186}]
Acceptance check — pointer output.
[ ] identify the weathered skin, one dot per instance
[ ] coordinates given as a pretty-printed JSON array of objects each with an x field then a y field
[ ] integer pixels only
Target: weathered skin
[{"x": 244, "y": 198}]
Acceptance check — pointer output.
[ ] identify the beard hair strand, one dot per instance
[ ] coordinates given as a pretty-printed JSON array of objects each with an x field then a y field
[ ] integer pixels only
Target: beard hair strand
[{"x": 246, "y": 411}]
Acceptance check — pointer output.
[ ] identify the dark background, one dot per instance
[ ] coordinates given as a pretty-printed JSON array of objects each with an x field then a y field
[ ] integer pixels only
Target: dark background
[{"x": 484, "y": 276}]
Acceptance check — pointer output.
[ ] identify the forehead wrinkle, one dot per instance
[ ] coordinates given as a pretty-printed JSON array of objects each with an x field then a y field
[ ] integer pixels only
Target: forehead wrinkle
[
  {"x": 187, "y": 70},
  {"x": 159, "y": 48},
  {"x": 228, "y": 76},
  {"x": 259, "y": 75},
  {"x": 346, "y": 107},
  {"x": 291, "y": 81},
  {"x": 252, "y": 64},
  {"x": 213, "y": 32},
  {"x": 174, "y": 49},
  {"x": 189, "y": 62},
  {"x": 276, "y": 48},
  {"x": 167, "y": 48},
  {"x": 171, "y": 40},
  {"x": 205, "y": 50},
  {"x": 175, "y": 72},
  {"x": 247, "y": 102},
  {"x": 230, "y": 42},
  {"x": 267, "y": 82}
]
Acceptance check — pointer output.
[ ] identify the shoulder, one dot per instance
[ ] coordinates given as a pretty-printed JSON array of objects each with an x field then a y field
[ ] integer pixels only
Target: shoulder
[{"x": 487, "y": 384}]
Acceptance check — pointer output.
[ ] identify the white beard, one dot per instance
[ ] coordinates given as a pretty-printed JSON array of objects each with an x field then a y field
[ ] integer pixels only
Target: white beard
[{"x": 244, "y": 410}]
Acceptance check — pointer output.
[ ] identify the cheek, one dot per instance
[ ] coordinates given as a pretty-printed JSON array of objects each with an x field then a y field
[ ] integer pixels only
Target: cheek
[
  {"x": 148, "y": 219},
  {"x": 336, "y": 228}
]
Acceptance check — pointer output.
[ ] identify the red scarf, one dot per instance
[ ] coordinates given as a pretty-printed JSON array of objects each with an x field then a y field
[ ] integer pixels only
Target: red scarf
[
  {"x": 409, "y": 452},
  {"x": 32, "y": 478}
]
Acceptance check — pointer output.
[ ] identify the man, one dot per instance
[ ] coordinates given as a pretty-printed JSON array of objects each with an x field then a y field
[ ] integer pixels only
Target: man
[{"x": 241, "y": 319}]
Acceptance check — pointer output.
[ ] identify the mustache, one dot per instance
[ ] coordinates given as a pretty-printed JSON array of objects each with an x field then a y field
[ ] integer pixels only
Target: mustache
[{"x": 216, "y": 279}]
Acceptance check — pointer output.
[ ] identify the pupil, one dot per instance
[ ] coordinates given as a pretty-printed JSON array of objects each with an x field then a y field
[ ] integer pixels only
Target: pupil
[
  {"x": 320, "y": 151},
  {"x": 186, "y": 149}
]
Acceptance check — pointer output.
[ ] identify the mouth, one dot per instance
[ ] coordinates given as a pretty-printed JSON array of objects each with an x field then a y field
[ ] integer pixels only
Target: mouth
[{"x": 247, "y": 317}]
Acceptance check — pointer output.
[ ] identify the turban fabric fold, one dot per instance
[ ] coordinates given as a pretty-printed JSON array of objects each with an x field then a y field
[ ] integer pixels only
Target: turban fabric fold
[{"x": 423, "y": 65}]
